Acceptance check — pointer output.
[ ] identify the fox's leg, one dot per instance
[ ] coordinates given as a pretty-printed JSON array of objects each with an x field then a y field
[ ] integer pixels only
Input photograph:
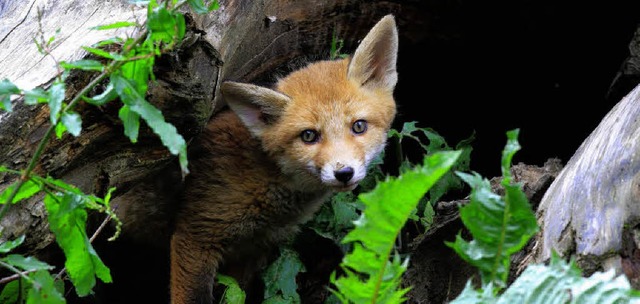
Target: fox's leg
[{"x": 193, "y": 269}]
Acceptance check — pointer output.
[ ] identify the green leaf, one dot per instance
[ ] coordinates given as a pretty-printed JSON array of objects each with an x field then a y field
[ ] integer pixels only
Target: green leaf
[
  {"x": 56, "y": 97},
  {"x": 7, "y": 246},
  {"x": 114, "y": 25},
  {"x": 25, "y": 263},
  {"x": 60, "y": 129},
  {"x": 214, "y": 5},
  {"x": 165, "y": 26},
  {"x": 35, "y": 96},
  {"x": 138, "y": 72},
  {"x": 102, "y": 53},
  {"x": 131, "y": 123},
  {"x": 472, "y": 296},
  {"x": 12, "y": 292},
  {"x": 7, "y": 88},
  {"x": 84, "y": 64},
  {"x": 109, "y": 94},
  {"x": 198, "y": 6},
  {"x": 370, "y": 271},
  {"x": 72, "y": 122},
  {"x": 67, "y": 220},
  {"x": 507, "y": 154},
  {"x": 500, "y": 226},
  {"x": 46, "y": 291},
  {"x": 233, "y": 294},
  {"x": 280, "y": 277},
  {"x": 153, "y": 117},
  {"x": 27, "y": 190},
  {"x": 562, "y": 282},
  {"x": 113, "y": 40}
]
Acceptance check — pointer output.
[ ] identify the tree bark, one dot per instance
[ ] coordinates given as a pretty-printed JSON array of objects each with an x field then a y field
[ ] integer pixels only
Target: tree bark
[
  {"x": 592, "y": 209},
  {"x": 251, "y": 41}
]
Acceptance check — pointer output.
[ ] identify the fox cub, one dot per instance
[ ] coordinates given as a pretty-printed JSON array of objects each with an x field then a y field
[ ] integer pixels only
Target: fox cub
[{"x": 270, "y": 160}]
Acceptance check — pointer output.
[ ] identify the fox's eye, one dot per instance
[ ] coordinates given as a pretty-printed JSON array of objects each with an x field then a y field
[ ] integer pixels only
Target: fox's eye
[
  {"x": 309, "y": 136},
  {"x": 359, "y": 127}
]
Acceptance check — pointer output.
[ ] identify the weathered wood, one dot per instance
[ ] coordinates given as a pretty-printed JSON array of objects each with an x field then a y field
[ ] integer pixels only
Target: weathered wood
[{"x": 592, "y": 208}]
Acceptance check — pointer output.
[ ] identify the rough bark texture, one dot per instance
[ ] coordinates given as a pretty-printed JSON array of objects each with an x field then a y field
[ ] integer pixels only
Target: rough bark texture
[
  {"x": 256, "y": 41},
  {"x": 593, "y": 208}
]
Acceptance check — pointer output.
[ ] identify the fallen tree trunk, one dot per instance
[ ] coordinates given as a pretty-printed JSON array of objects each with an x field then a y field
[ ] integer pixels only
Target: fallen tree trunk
[
  {"x": 592, "y": 209},
  {"x": 242, "y": 41}
]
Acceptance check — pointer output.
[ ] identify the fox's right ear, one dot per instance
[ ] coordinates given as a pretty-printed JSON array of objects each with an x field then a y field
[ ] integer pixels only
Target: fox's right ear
[
  {"x": 255, "y": 105},
  {"x": 373, "y": 64}
]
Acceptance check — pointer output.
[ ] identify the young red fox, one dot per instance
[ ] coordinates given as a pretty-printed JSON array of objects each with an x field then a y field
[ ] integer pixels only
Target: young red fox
[{"x": 271, "y": 160}]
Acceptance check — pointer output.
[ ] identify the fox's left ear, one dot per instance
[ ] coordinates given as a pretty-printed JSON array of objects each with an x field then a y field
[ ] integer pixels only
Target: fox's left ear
[
  {"x": 374, "y": 62},
  {"x": 255, "y": 105}
]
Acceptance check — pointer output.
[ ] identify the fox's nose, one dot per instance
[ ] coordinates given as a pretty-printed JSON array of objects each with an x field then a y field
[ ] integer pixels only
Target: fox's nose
[{"x": 344, "y": 175}]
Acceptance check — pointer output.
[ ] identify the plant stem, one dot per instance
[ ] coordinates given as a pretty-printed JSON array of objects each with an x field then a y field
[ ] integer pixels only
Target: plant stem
[
  {"x": 18, "y": 272},
  {"x": 16, "y": 276}
]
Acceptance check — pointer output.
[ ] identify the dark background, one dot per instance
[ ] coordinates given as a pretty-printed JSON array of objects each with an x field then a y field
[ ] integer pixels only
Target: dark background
[{"x": 544, "y": 67}]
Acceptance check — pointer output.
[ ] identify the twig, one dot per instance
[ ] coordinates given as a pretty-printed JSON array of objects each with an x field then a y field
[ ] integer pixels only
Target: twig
[
  {"x": 19, "y": 273},
  {"x": 16, "y": 276},
  {"x": 93, "y": 237}
]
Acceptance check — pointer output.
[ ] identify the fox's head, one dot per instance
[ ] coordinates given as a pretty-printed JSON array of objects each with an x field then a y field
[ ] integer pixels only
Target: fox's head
[{"x": 324, "y": 123}]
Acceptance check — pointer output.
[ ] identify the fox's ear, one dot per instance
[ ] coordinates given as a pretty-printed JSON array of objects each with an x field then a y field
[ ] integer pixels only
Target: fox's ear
[
  {"x": 255, "y": 105},
  {"x": 374, "y": 62}
]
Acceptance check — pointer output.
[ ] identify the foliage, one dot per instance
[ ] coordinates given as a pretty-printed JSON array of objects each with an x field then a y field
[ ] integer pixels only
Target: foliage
[
  {"x": 371, "y": 275},
  {"x": 233, "y": 294},
  {"x": 280, "y": 279},
  {"x": 559, "y": 282},
  {"x": 500, "y": 226},
  {"x": 128, "y": 72}
]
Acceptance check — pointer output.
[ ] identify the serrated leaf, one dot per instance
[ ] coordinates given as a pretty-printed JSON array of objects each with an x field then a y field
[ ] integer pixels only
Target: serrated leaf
[
  {"x": 84, "y": 64},
  {"x": 233, "y": 294},
  {"x": 391, "y": 202},
  {"x": 72, "y": 122},
  {"x": 56, "y": 97},
  {"x": 562, "y": 282},
  {"x": 472, "y": 296},
  {"x": 27, "y": 190},
  {"x": 280, "y": 277},
  {"x": 67, "y": 220},
  {"x": 7, "y": 246},
  {"x": 46, "y": 291},
  {"x": 115, "y": 25},
  {"x": 153, "y": 117},
  {"x": 25, "y": 263},
  {"x": 387, "y": 208},
  {"x": 500, "y": 226},
  {"x": 108, "y": 95}
]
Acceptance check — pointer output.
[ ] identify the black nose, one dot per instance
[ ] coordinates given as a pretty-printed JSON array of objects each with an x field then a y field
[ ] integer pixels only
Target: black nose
[{"x": 344, "y": 175}]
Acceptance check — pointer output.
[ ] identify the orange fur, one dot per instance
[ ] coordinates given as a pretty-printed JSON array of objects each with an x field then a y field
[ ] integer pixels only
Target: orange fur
[{"x": 255, "y": 179}]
